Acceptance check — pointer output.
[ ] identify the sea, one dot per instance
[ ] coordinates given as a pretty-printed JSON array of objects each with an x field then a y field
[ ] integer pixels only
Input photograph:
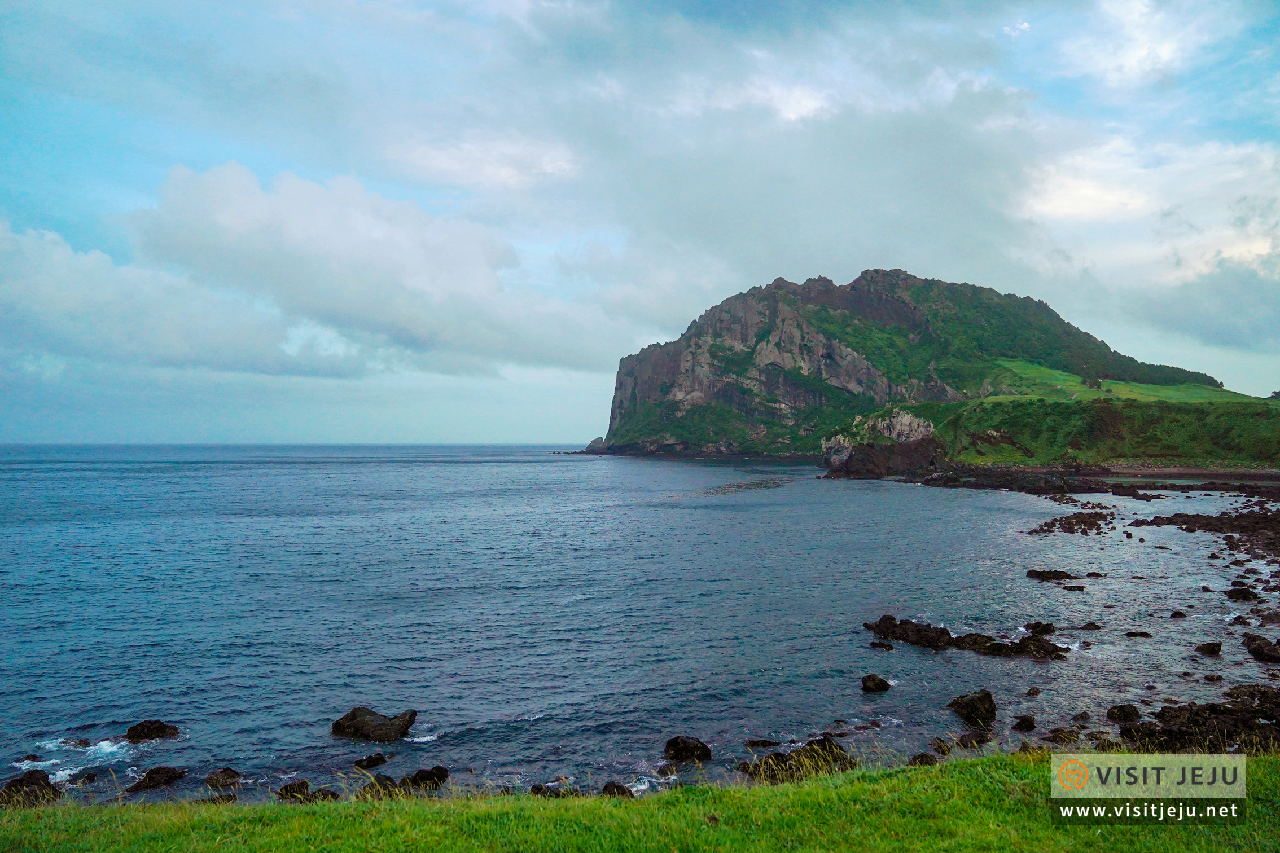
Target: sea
[{"x": 552, "y": 617}]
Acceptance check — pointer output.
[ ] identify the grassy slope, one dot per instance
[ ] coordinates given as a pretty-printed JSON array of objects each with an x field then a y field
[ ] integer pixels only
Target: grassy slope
[
  {"x": 1055, "y": 418},
  {"x": 989, "y": 804}
]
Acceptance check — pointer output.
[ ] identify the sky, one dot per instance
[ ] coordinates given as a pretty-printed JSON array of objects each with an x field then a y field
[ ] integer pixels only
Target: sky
[{"x": 401, "y": 221}]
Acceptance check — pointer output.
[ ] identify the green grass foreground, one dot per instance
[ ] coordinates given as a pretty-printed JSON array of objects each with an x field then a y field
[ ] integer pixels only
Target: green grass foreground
[{"x": 996, "y": 803}]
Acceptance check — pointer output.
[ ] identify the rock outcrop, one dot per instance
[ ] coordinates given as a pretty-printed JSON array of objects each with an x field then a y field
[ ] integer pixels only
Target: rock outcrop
[
  {"x": 684, "y": 748},
  {"x": 363, "y": 723},
  {"x": 150, "y": 730}
]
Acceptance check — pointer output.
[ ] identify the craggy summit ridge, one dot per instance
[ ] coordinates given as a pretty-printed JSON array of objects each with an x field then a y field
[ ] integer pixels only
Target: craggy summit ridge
[{"x": 773, "y": 369}]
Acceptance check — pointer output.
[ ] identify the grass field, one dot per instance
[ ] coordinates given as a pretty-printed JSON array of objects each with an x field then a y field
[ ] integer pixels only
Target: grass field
[
  {"x": 997, "y": 803},
  {"x": 1032, "y": 380}
]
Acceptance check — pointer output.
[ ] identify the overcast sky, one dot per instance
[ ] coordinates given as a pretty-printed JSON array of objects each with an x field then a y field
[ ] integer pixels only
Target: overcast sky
[{"x": 333, "y": 220}]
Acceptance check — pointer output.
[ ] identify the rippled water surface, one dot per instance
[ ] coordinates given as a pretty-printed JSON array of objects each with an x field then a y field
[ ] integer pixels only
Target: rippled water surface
[{"x": 546, "y": 614}]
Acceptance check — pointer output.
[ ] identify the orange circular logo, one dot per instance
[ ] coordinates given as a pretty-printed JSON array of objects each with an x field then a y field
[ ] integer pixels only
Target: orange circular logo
[{"x": 1073, "y": 775}]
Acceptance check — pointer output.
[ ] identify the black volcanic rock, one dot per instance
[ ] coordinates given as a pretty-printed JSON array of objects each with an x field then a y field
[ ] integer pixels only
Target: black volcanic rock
[
  {"x": 156, "y": 777},
  {"x": 874, "y": 684},
  {"x": 1260, "y": 648},
  {"x": 684, "y": 748},
  {"x": 363, "y": 723},
  {"x": 616, "y": 789},
  {"x": 150, "y": 730},
  {"x": 225, "y": 777},
  {"x": 370, "y": 761},
  {"x": 429, "y": 780},
  {"x": 977, "y": 709},
  {"x": 32, "y": 788}
]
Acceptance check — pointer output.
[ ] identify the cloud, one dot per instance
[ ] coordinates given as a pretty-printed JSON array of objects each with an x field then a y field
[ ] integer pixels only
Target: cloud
[
  {"x": 365, "y": 266},
  {"x": 1232, "y": 306},
  {"x": 1130, "y": 42}
]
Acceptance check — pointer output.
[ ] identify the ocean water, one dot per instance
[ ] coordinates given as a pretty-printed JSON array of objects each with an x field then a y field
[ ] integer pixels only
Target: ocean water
[{"x": 547, "y": 615}]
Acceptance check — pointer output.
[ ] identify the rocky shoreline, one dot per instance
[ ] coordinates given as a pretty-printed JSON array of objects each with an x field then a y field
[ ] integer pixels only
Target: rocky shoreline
[{"x": 1246, "y": 718}]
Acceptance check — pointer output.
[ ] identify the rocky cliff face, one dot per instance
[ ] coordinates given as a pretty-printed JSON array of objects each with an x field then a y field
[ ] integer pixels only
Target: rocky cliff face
[{"x": 761, "y": 355}]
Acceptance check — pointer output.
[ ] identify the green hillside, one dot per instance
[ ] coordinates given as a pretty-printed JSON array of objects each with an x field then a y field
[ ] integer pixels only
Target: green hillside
[{"x": 1001, "y": 378}]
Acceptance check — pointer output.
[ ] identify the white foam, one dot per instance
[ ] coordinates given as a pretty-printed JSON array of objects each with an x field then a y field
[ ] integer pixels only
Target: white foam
[
  {"x": 24, "y": 766},
  {"x": 109, "y": 750},
  {"x": 64, "y": 775},
  {"x": 423, "y": 739}
]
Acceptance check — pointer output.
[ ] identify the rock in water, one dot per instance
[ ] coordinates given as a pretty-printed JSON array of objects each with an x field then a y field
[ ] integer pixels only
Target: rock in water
[
  {"x": 596, "y": 446},
  {"x": 150, "y": 730},
  {"x": 922, "y": 759},
  {"x": 370, "y": 761},
  {"x": 940, "y": 746},
  {"x": 429, "y": 780},
  {"x": 874, "y": 684},
  {"x": 298, "y": 791},
  {"x": 1209, "y": 648},
  {"x": 977, "y": 709},
  {"x": 367, "y": 724},
  {"x": 225, "y": 777},
  {"x": 816, "y": 757},
  {"x": 1123, "y": 713},
  {"x": 682, "y": 748},
  {"x": 1261, "y": 648},
  {"x": 616, "y": 789},
  {"x": 156, "y": 777},
  {"x": 1024, "y": 723},
  {"x": 32, "y": 788}
]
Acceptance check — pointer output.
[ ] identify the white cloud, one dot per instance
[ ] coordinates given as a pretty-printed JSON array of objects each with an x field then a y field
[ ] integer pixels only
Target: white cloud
[
  {"x": 365, "y": 266},
  {"x": 1133, "y": 41},
  {"x": 506, "y": 162}
]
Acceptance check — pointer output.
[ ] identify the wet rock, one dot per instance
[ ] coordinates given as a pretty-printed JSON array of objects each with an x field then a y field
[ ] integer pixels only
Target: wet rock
[
  {"x": 1249, "y": 721},
  {"x": 1241, "y": 620},
  {"x": 922, "y": 759},
  {"x": 940, "y": 746},
  {"x": 1213, "y": 677},
  {"x": 877, "y": 644},
  {"x": 1123, "y": 713},
  {"x": 150, "y": 730},
  {"x": 683, "y": 748},
  {"x": 363, "y": 723},
  {"x": 1024, "y": 723},
  {"x": 380, "y": 787},
  {"x": 973, "y": 740},
  {"x": 616, "y": 789},
  {"x": 217, "y": 800},
  {"x": 817, "y": 757},
  {"x": 889, "y": 628},
  {"x": 156, "y": 777},
  {"x": 874, "y": 684},
  {"x": 977, "y": 709},
  {"x": 1040, "y": 629},
  {"x": 1051, "y": 575},
  {"x": 30, "y": 756},
  {"x": 1070, "y": 588},
  {"x": 1260, "y": 648},
  {"x": 1082, "y": 717},
  {"x": 427, "y": 780},
  {"x": 1242, "y": 594},
  {"x": 370, "y": 761},
  {"x": 1209, "y": 648},
  {"x": 1094, "y": 575},
  {"x": 1177, "y": 614},
  {"x": 224, "y": 777},
  {"x": 1034, "y": 691},
  {"x": 761, "y": 743},
  {"x": 1137, "y": 634},
  {"x": 32, "y": 788},
  {"x": 297, "y": 791},
  {"x": 1206, "y": 589},
  {"x": 930, "y": 637},
  {"x": 1028, "y": 749},
  {"x": 1061, "y": 736},
  {"x": 84, "y": 777}
]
